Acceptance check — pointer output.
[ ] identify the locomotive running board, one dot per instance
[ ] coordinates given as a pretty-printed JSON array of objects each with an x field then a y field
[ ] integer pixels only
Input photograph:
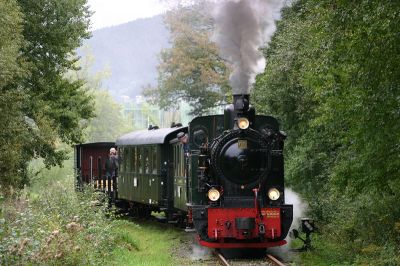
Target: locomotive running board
[{"x": 241, "y": 245}]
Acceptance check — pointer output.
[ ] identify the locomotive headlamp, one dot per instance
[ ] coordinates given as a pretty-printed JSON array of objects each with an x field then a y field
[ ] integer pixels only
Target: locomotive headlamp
[
  {"x": 273, "y": 194},
  {"x": 213, "y": 194},
  {"x": 243, "y": 123}
]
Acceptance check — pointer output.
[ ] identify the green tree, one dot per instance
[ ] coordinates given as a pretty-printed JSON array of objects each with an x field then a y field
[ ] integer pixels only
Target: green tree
[
  {"x": 53, "y": 31},
  {"x": 11, "y": 42},
  {"x": 191, "y": 69},
  {"x": 42, "y": 107},
  {"x": 14, "y": 132}
]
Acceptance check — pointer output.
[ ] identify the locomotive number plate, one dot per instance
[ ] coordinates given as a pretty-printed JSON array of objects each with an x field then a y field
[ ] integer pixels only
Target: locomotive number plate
[{"x": 242, "y": 144}]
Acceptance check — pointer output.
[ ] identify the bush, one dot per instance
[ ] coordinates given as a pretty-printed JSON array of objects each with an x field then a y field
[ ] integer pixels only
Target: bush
[{"x": 56, "y": 226}]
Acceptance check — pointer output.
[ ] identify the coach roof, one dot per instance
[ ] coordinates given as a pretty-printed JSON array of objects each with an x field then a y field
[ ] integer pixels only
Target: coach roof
[{"x": 154, "y": 136}]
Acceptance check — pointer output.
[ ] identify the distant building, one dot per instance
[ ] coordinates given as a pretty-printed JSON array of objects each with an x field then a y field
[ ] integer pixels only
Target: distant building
[{"x": 142, "y": 114}]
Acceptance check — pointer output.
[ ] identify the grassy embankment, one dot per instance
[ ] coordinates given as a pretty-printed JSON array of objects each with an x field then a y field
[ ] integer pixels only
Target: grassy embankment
[
  {"x": 51, "y": 224},
  {"x": 326, "y": 252}
]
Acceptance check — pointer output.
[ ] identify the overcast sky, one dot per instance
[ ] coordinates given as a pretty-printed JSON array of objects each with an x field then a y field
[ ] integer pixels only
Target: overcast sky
[{"x": 114, "y": 12}]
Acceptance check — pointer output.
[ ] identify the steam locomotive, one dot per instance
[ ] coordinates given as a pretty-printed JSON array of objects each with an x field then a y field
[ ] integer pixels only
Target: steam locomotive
[{"x": 229, "y": 188}]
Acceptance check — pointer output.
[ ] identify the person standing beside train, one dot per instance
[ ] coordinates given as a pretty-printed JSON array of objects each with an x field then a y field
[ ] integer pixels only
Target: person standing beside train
[
  {"x": 112, "y": 163},
  {"x": 111, "y": 167}
]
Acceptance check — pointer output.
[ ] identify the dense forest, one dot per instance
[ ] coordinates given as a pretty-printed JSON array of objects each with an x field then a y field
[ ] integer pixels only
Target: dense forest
[{"x": 333, "y": 80}]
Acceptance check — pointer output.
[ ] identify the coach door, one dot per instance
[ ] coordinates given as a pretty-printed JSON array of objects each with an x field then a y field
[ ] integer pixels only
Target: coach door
[
  {"x": 180, "y": 178},
  {"x": 152, "y": 171}
]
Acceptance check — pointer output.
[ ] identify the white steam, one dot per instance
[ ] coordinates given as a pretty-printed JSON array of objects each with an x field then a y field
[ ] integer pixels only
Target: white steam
[
  {"x": 242, "y": 27},
  {"x": 299, "y": 207},
  {"x": 299, "y": 211},
  {"x": 199, "y": 252}
]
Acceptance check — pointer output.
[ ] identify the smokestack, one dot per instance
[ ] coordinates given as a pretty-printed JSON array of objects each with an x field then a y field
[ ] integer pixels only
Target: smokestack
[
  {"x": 239, "y": 108},
  {"x": 241, "y": 102}
]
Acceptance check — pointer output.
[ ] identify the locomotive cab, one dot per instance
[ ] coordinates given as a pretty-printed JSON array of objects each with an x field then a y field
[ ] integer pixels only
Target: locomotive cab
[{"x": 240, "y": 180}]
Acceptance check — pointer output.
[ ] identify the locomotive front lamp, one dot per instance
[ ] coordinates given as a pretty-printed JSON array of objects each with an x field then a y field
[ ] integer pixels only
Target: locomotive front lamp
[
  {"x": 213, "y": 194},
  {"x": 243, "y": 123},
  {"x": 273, "y": 194}
]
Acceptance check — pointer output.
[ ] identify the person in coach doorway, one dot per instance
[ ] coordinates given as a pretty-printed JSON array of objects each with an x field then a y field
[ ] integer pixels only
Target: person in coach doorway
[{"x": 111, "y": 167}]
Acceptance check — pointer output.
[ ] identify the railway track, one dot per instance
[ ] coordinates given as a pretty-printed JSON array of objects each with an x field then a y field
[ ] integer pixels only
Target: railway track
[
  {"x": 274, "y": 260},
  {"x": 221, "y": 258},
  {"x": 268, "y": 260}
]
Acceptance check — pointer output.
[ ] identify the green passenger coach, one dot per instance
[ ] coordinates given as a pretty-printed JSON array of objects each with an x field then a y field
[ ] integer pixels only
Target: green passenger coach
[{"x": 148, "y": 164}]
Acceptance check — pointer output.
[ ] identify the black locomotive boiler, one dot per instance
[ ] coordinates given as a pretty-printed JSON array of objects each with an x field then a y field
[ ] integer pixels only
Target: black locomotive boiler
[{"x": 229, "y": 188}]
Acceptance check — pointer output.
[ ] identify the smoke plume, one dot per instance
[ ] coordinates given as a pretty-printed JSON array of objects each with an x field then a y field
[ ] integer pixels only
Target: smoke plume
[{"x": 242, "y": 27}]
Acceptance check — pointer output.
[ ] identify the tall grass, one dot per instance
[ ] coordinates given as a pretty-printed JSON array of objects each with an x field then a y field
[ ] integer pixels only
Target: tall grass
[{"x": 55, "y": 225}]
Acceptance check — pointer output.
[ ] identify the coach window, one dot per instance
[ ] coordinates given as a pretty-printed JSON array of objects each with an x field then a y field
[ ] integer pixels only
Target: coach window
[
  {"x": 149, "y": 156},
  {"x": 139, "y": 160},
  {"x": 124, "y": 161},
  {"x": 133, "y": 158},
  {"x": 128, "y": 162},
  {"x": 154, "y": 160},
  {"x": 147, "y": 160},
  {"x": 121, "y": 155}
]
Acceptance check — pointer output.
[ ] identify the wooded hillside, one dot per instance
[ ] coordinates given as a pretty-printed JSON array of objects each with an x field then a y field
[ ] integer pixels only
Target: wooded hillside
[{"x": 130, "y": 52}]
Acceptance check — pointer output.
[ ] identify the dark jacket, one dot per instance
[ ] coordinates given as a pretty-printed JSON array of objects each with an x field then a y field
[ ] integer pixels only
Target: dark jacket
[{"x": 111, "y": 165}]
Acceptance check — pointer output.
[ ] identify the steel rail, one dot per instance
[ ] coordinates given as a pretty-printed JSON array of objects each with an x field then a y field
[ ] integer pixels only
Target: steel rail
[
  {"x": 275, "y": 260},
  {"x": 221, "y": 258}
]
